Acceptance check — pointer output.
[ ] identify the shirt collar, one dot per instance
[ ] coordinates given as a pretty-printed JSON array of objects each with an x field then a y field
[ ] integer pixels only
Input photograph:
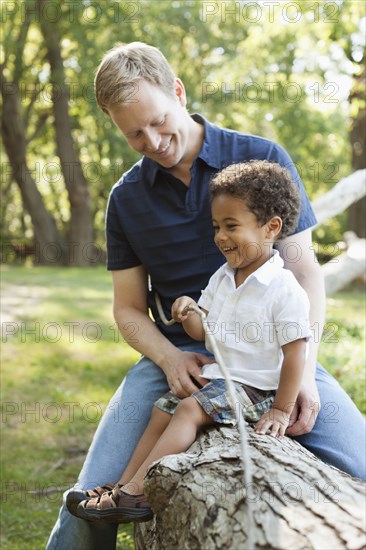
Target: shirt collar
[
  {"x": 215, "y": 150},
  {"x": 211, "y": 152},
  {"x": 149, "y": 170},
  {"x": 265, "y": 273},
  {"x": 211, "y": 149}
]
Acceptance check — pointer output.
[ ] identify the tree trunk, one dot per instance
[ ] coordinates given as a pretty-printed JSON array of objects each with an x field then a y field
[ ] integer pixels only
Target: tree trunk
[
  {"x": 49, "y": 243},
  {"x": 357, "y": 212},
  {"x": 299, "y": 502},
  {"x": 81, "y": 222}
]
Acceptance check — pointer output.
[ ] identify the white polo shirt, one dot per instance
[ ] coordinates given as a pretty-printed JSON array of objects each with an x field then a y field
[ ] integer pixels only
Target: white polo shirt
[{"x": 251, "y": 323}]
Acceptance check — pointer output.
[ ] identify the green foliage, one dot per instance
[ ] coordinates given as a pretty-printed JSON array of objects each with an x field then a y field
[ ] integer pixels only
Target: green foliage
[{"x": 272, "y": 74}]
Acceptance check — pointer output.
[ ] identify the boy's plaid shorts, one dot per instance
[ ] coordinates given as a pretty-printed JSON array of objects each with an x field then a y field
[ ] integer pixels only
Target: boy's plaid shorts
[{"x": 213, "y": 398}]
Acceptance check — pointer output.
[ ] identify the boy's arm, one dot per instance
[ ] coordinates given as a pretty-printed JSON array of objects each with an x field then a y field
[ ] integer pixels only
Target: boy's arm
[
  {"x": 294, "y": 355},
  {"x": 190, "y": 320},
  {"x": 308, "y": 273}
]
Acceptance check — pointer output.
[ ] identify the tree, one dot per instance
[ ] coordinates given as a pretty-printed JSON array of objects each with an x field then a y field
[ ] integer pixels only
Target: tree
[
  {"x": 13, "y": 128},
  {"x": 348, "y": 33},
  {"x": 81, "y": 223},
  {"x": 357, "y": 212},
  {"x": 16, "y": 139},
  {"x": 74, "y": 154}
]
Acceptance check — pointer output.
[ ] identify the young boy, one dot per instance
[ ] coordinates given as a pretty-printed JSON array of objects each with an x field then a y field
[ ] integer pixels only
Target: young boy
[{"x": 258, "y": 315}]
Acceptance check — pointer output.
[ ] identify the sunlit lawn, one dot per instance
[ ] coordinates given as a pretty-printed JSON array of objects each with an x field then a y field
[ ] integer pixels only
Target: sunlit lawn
[
  {"x": 342, "y": 350},
  {"x": 62, "y": 361},
  {"x": 59, "y": 370}
]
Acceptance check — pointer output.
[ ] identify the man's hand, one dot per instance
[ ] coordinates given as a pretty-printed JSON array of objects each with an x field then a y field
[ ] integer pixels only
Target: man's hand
[
  {"x": 183, "y": 366},
  {"x": 305, "y": 411}
]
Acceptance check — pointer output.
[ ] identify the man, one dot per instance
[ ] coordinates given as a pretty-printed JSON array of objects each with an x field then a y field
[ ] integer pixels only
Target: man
[{"x": 160, "y": 235}]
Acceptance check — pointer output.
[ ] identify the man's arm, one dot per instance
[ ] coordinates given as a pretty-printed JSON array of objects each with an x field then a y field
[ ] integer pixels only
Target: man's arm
[
  {"x": 299, "y": 257},
  {"x": 138, "y": 329}
]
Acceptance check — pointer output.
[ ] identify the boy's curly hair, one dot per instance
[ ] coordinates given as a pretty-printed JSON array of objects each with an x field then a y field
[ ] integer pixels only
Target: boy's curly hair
[{"x": 266, "y": 187}]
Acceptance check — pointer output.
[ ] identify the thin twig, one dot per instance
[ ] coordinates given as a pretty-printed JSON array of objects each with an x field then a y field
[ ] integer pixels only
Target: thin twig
[{"x": 245, "y": 448}]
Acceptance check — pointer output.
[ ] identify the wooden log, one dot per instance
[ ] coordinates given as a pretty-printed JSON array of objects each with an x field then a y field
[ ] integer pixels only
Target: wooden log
[{"x": 299, "y": 502}]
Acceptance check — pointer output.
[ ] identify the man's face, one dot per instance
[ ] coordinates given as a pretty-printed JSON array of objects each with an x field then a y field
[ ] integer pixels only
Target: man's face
[{"x": 155, "y": 124}]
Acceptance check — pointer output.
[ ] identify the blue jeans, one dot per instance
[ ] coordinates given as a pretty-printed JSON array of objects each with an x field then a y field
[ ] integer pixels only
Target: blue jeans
[{"x": 338, "y": 438}]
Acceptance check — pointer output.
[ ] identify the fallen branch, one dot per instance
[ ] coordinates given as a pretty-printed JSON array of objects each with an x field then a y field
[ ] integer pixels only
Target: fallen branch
[
  {"x": 347, "y": 267},
  {"x": 341, "y": 196}
]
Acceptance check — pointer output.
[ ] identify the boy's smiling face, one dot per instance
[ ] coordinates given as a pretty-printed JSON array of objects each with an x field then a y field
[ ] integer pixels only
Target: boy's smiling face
[{"x": 245, "y": 243}]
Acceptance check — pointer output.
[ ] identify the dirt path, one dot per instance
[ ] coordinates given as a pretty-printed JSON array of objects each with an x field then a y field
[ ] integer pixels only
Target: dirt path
[{"x": 19, "y": 301}]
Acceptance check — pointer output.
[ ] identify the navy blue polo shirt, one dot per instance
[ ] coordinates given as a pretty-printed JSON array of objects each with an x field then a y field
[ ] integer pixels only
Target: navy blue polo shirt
[{"x": 153, "y": 219}]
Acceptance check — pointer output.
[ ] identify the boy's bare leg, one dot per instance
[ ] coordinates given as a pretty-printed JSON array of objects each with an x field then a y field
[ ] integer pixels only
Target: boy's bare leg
[
  {"x": 177, "y": 437},
  {"x": 158, "y": 422}
]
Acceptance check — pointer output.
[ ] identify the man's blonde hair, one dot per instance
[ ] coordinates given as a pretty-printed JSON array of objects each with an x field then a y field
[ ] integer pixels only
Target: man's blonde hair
[{"x": 123, "y": 66}]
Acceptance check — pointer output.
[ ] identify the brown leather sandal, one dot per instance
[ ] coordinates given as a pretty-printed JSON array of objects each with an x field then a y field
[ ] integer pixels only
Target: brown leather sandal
[
  {"x": 116, "y": 506},
  {"x": 75, "y": 496}
]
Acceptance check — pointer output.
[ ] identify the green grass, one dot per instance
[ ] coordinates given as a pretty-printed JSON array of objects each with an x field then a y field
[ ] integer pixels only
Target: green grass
[
  {"x": 342, "y": 349},
  {"x": 44, "y": 438},
  {"x": 59, "y": 370}
]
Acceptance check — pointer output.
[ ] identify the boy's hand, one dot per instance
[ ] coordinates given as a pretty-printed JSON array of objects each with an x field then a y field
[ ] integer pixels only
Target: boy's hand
[
  {"x": 276, "y": 420},
  {"x": 178, "y": 313}
]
